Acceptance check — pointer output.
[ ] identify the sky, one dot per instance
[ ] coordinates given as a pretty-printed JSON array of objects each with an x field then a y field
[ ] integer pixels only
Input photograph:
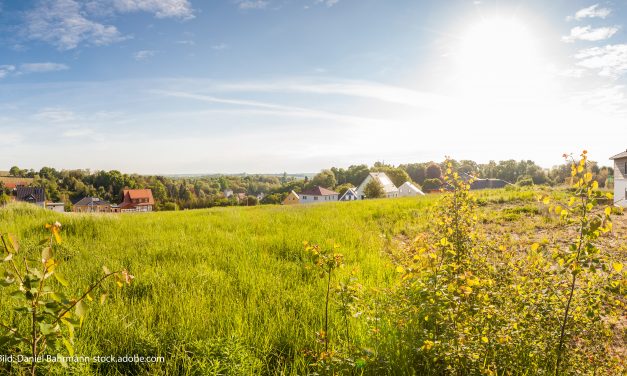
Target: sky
[{"x": 266, "y": 86}]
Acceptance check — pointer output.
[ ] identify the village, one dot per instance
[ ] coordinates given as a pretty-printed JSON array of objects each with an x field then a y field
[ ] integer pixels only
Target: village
[{"x": 376, "y": 185}]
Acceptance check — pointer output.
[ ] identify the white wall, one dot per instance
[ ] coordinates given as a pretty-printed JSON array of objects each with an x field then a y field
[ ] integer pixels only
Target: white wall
[
  {"x": 620, "y": 188},
  {"x": 310, "y": 199}
]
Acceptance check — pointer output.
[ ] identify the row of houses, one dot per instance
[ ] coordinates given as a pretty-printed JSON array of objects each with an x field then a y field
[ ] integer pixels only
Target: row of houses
[
  {"x": 134, "y": 200},
  {"x": 321, "y": 194}
]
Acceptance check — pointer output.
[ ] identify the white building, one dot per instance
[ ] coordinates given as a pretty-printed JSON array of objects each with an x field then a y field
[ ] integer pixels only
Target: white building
[
  {"x": 350, "y": 195},
  {"x": 317, "y": 194},
  {"x": 388, "y": 187},
  {"x": 620, "y": 179},
  {"x": 408, "y": 189},
  {"x": 56, "y": 206}
]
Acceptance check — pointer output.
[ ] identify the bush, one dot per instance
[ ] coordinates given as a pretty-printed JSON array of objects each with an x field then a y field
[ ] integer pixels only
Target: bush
[{"x": 432, "y": 185}]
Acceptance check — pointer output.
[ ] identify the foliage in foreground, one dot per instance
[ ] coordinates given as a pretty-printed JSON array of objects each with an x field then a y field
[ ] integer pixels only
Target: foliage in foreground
[
  {"x": 50, "y": 315},
  {"x": 240, "y": 301}
]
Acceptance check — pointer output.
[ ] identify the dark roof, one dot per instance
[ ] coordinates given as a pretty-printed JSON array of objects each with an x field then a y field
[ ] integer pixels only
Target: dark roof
[
  {"x": 621, "y": 155},
  {"x": 92, "y": 201},
  {"x": 30, "y": 194},
  {"x": 318, "y": 191}
]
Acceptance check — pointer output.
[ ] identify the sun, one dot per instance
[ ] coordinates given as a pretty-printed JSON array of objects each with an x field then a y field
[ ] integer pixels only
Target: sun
[{"x": 499, "y": 56}]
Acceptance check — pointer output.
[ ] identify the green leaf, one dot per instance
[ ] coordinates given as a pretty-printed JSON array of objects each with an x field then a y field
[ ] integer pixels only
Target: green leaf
[
  {"x": 61, "y": 280},
  {"x": 68, "y": 346},
  {"x": 81, "y": 309},
  {"x": 46, "y": 254}
]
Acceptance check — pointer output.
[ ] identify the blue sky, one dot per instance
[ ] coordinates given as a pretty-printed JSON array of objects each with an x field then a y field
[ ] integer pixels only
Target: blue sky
[{"x": 189, "y": 86}]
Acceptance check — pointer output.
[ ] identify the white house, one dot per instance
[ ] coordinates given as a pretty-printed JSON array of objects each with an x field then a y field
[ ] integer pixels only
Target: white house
[
  {"x": 317, "y": 194},
  {"x": 409, "y": 189},
  {"x": 388, "y": 187},
  {"x": 56, "y": 206},
  {"x": 350, "y": 195},
  {"x": 620, "y": 179}
]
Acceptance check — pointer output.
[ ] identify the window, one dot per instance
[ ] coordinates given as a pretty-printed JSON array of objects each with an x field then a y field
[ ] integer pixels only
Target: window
[
  {"x": 304, "y": 197},
  {"x": 315, "y": 198}
]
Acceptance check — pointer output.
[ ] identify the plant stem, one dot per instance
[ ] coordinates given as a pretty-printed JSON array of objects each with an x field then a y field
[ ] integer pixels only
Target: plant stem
[
  {"x": 572, "y": 288},
  {"x": 326, "y": 314},
  {"x": 91, "y": 288}
]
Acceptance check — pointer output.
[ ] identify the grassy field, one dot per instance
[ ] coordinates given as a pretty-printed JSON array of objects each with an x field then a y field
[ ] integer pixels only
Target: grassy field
[{"x": 227, "y": 291}]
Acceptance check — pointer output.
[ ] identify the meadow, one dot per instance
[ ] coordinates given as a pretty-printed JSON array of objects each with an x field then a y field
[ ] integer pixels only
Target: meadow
[{"x": 233, "y": 290}]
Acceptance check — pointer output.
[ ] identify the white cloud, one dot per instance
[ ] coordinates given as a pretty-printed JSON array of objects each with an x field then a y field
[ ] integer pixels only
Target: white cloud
[
  {"x": 591, "y": 12},
  {"x": 252, "y": 4},
  {"x": 351, "y": 88},
  {"x": 143, "y": 54},
  {"x": 219, "y": 46},
  {"x": 160, "y": 8},
  {"x": 66, "y": 24},
  {"x": 5, "y": 70},
  {"x": 588, "y": 33},
  {"x": 55, "y": 115},
  {"x": 42, "y": 67},
  {"x": 610, "y": 61},
  {"x": 63, "y": 24},
  {"x": 328, "y": 3}
]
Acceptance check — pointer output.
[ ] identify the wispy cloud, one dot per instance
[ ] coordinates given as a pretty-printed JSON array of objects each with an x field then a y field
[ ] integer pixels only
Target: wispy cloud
[
  {"x": 591, "y": 12},
  {"x": 160, "y": 8},
  {"x": 67, "y": 24},
  {"x": 588, "y": 33},
  {"x": 42, "y": 67},
  {"x": 252, "y": 4},
  {"x": 54, "y": 115},
  {"x": 63, "y": 24},
  {"x": 609, "y": 61},
  {"x": 219, "y": 46},
  {"x": 6, "y": 70},
  {"x": 277, "y": 109},
  {"x": 328, "y": 3},
  {"x": 144, "y": 54},
  {"x": 361, "y": 89}
]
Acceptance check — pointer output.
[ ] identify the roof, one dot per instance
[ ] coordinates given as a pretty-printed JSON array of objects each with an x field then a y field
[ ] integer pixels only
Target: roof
[
  {"x": 621, "y": 155},
  {"x": 13, "y": 182},
  {"x": 385, "y": 181},
  {"x": 352, "y": 191},
  {"x": 134, "y": 194},
  {"x": 411, "y": 187},
  {"x": 36, "y": 194},
  {"x": 318, "y": 191},
  {"x": 92, "y": 201}
]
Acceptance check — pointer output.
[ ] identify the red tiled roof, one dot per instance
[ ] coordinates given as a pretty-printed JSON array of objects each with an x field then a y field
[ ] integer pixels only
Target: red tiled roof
[
  {"x": 12, "y": 182},
  {"x": 134, "y": 194},
  {"x": 318, "y": 191}
]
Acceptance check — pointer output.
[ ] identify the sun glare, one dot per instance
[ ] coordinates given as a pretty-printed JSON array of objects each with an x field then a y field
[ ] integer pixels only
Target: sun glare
[{"x": 499, "y": 56}]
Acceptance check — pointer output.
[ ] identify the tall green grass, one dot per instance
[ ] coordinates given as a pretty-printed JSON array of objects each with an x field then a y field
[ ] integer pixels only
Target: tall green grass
[{"x": 217, "y": 291}]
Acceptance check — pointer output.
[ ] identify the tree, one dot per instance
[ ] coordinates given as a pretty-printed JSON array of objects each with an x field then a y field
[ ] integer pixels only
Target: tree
[
  {"x": 431, "y": 185},
  {"x": 416, "y": 171},
  {"x": 15, "y": 171},
  {"x": 374, "y": 189},
  {"x": 325, "y": 179},
  {"x": 434, "y": 171}
]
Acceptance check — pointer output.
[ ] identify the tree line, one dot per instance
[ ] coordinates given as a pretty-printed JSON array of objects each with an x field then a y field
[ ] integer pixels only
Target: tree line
[{"x": 173, "y": 193}]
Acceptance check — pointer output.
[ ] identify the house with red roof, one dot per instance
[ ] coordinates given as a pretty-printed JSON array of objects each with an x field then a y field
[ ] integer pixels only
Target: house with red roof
[
  {"x": 137, "y": 200},
  {"x": 317, "y": 194}
]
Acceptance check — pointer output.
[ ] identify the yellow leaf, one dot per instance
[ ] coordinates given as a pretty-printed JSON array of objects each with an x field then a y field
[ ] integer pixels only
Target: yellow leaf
[
  {"x": 535, "y": 246},
  {"x": 558, "y": 209},
  {"x": 399, "y": 269},
  {"x": 444, "y": 242},
  {"x": 484, "y": 339},
  {"x": 608, "y": 211},
  {"x": 617, "y": 266}
]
